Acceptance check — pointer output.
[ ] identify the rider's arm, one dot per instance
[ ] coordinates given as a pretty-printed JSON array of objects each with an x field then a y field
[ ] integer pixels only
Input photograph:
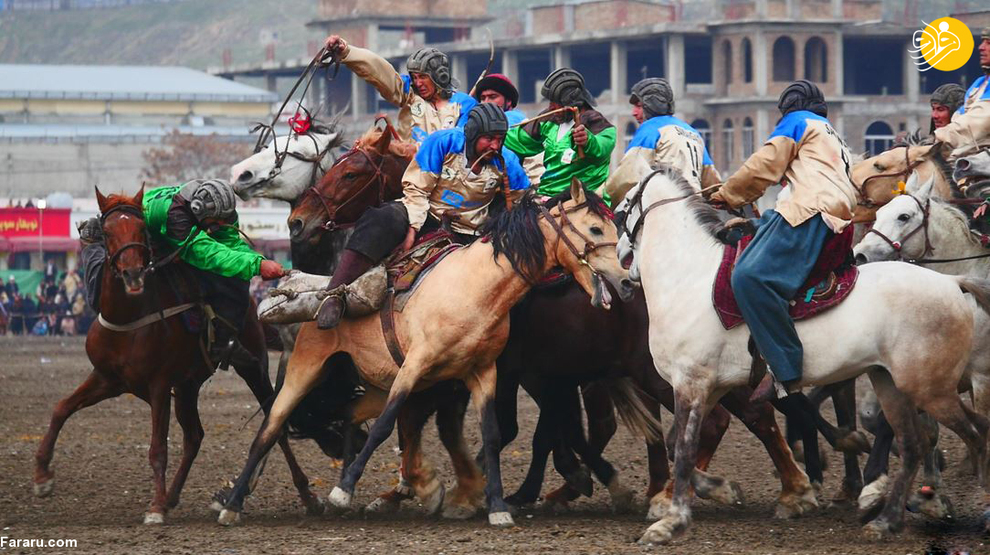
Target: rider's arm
[
  {"x": 518, "y": 180},
  {"x": 379, "y": 73},
  {"x": 971, "y": 127},
  {"x": 601, "y": 137},
  {"x": 422, "y": 175},
  {"x": 206, "y": 253},
  {"x": 525, "y": 141},
  {"x": 763, "y": 168},
  {"x": 709, "y": 173}
]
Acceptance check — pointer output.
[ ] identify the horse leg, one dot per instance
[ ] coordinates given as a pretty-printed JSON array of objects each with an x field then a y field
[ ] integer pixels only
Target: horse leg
[
  {"x": 161, "y": 409},
  {"x": 927, "y": 500},
  {"x": 468, "y": 495},
  {"x": 187, "y": 413},
  {"x": 851, "y": 443},
  {"x": 875, "y": 472},
  {"x": 690, "y": 408},
  {"x": 802, "y": 416},
  {"x": 601, "y": 427},
  {"x": 256, "y": 378},
  {"x": 302, "y": 374},
  {"x": 96, "y": 388},
  {"x": 797, "y": 496},
  {"x": 903, "y": 418},
  {"x": 482, "y": 386},
  {"x": 543, "y": 440}
]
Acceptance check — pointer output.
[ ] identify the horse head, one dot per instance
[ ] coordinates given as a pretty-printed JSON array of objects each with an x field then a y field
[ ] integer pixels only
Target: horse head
[
  {"x": 876, "y": 178},
  {"x": 975, "y": 169},
  {"x": 583, "y": 238},
  {"x": 287, "y": 165},
  {"x": 900, "y": 231},
  {"x": 365, "y": 177},
  {"x": 128, "y": 252}
]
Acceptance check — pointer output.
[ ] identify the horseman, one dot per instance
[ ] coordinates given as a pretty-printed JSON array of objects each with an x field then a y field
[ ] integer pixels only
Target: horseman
[
  {"x": 457, "y": 172},
  {"x": 970, "y": 126},
  {"x": 663, "y": 138},
  {"x": 198, "y": 221},
  {"x": 805, "y": 153},
  {"x": 563, "y": 141},
  {"x": 497, "y": 89},
  {"x": 945, "y": 101},
  {"x": 426, "y": 97}
]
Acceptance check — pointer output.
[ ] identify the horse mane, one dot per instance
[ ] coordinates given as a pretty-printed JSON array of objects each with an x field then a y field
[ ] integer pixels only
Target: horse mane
[
  {"x": 915, "y": 139},
  {"x": 396, "y": 147},
  {"x": 957, "y": 214},
  {"x": 706, "y": 216},
  {"x": 516, "y": 234}
]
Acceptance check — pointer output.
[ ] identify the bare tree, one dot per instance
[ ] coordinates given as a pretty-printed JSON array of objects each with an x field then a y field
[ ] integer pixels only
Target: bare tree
[{"x": 184, "y": 156}]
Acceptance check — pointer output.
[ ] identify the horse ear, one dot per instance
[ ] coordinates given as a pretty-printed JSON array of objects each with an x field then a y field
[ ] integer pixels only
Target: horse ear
[
  {"x": 101, "y": 200},
  {"x": 924, "y": 192},
  {"x": 139, "y": 197},
  {"x": 577, "y": 191},
  {"x": 381, "y": 145}
]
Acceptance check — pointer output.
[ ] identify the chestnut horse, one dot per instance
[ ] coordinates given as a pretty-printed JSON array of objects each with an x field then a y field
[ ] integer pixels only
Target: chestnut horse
[{"x": 140, "y": 346}]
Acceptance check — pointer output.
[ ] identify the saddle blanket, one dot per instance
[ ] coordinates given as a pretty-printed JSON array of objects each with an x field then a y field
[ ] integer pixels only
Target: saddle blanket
[{"x": 829, "y": 283}]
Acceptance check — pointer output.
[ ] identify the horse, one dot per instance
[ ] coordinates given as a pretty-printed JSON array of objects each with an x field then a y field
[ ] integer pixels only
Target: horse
[
  {"x": 975, "y": 167},
  {"x": 668, "y": 241},
  {"x": 455, "y": 333},
  {"x": 139, "y": 346},
  {"x": 877, "y": 178}
]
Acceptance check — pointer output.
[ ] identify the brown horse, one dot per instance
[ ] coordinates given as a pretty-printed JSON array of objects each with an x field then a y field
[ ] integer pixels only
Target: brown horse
[{"x": 140, "y": 346}]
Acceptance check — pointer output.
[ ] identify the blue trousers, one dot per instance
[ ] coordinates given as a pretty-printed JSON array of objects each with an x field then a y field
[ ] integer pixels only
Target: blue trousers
[{"x": 767, "y": 276}]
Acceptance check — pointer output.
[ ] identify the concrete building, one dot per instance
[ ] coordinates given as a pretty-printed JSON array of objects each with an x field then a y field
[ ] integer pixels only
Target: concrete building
[{"x": 727, "y": 60}]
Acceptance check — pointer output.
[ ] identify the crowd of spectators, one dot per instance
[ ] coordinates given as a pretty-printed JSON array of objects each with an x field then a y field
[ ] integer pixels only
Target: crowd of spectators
[{"x": 57, "y": 307}]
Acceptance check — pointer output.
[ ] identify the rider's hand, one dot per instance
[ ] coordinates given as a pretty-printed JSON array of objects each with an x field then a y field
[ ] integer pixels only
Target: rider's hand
[
  {"x": 718, "y": 201},
  {"x": 580, "y": 135},
  {"x": 981, "y": 210},
  {"x": 410, "y": 238},
  {"x": 336, "y": 45},
  {"x": 271, "y": 270}
]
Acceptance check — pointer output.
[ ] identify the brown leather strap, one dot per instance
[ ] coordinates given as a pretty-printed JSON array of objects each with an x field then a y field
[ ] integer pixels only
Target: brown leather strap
[
  {"x": 758, "y": 366},
  {"x": 387, "y": 315}
]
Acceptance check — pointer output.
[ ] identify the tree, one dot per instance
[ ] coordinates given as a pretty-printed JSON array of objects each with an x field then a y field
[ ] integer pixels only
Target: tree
[{"x": 184, "y": 156}]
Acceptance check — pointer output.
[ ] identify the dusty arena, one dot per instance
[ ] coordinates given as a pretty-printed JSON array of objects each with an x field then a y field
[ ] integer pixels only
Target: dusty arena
[{"x": 103, "y": 487}]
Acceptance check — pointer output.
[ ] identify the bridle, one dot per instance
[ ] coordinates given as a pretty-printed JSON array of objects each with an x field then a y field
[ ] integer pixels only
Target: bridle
[
  {"x": 589, "y": 245},
  {"x": 909, "y": 167},
  {"x": 112, "y": 257},
  {"x": 378, "y": 177},
  {"x": 923, "y": 227},
  {"x": 637, "y": 201},
  {"x": 316, "y": 160}
]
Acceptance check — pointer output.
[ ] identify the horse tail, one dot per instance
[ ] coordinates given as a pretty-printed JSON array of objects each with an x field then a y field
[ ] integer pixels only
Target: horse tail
[
  {"x": 628, "y": 401},
  {"x": 977, "y": 287}
]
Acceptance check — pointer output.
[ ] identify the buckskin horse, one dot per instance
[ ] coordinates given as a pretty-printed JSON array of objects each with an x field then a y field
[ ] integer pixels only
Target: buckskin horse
[
  {"x": 454, "y": 333},
  {"x": 140, "y": 346},
  {"x": 668, "y": 237}
]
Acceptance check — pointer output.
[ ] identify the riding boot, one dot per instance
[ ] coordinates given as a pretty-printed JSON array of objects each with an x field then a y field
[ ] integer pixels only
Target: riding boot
[
  {"x": 226, "y": 350},
  {"x": 352, "y": 265},
  {"x": 770, "y": 389}
]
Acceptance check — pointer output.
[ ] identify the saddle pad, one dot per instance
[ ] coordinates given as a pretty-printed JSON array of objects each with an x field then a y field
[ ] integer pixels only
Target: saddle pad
[
  {"x": 829, "y": 283},
  {"x": 404, "y": 268}
]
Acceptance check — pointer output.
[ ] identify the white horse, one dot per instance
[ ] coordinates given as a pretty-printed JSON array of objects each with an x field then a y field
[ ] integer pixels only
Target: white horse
[
  {"x": 288, "y": 165},
  {"x": 909, "y": 328}
]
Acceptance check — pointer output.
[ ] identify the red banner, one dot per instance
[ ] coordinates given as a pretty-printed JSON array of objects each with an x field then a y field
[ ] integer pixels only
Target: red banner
[{"x": 30, "y": 222}]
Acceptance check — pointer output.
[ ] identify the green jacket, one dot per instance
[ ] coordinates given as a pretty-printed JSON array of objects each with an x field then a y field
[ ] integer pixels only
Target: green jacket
[
  {"x": 223, "y": 252},
  {"x": 541, "y": 136}
]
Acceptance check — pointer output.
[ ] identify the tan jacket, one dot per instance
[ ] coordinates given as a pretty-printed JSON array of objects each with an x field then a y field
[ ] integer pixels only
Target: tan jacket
[
  {"x": 805, "y": 152},
  {"x": 438, "y": 180},
  {"x": 970, "y": 126},
  {"x": 417, "y": 117}
]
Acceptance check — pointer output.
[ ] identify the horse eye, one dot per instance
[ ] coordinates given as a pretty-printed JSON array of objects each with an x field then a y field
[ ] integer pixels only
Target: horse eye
[
  {"x": 595, "y": 230},
  {"x": 878, "y": 166},
  {"x": 904, "y": 217},
  {"x": 348, "y": 175}
]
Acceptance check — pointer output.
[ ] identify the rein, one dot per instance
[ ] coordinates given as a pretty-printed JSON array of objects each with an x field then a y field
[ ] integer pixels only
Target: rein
[
  {"x": 378, "y": 177},
  {"x": 637, "y": 200},
  {"x": 923, "y": 227},
  {"x": 589, "y": 245},
  {"x": 909, "y": 166}
]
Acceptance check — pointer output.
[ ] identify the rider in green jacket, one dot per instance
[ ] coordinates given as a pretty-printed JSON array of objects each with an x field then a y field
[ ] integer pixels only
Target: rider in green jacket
[{"x": 559, "y": 137}]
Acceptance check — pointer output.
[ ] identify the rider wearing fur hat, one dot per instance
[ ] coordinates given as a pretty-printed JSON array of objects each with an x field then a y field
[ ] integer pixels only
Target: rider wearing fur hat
[
  {"x": 427, "y": 97},
  {"x": 458, "y": 173},
  {"x": 970, "y": 125},
  {"x": 804, "y": 153},
  {"x": 663, "y": 138},
  {"x": 559, "y": 137},
  {"x": 198, "y": 220}
]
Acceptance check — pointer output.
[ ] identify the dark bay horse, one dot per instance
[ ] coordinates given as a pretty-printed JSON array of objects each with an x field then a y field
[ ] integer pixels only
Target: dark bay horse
[
  {"x": 563, "y": 351},
  {"x": 153, "y": 356}
]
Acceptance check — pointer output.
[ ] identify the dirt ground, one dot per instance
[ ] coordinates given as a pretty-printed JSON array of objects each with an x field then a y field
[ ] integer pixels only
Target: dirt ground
[{"x": 103, "y": 485}]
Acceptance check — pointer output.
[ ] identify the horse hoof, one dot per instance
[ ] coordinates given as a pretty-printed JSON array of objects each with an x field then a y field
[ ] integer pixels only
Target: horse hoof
[
  {"x": 521, "y": 501},
  {"x": 339, "y": 498},
  {"x": 383, "y": 505},
  {"x": 932, "y": 504},
  {"x": 44, "y": 489},
  {"x": 795, "y": 505},
  {"x": 434, "y": 501},
  {"x": 873, "y": 493},
  {"x": 622, "y": 499},
  {"x": 581, "y": 481},
  {"x": 660, "y": 533},
  {"x": 154, "y": 518},
  {"x": 228, "y": 517},
  {"x": 458, "y": 512},
  {"x": 877, "y": 530},
  {"x": 728, "y": 493},
  {"x": 854, "y": 443},
  {"x": 316, "y": 506},
  {"x": 658, "y": 507},
  {"x": 501, "y": 519}
]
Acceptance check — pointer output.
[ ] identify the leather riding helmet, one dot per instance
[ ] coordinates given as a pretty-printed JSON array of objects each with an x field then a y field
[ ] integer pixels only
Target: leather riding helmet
[
  {"x": 483, "y": 119},
  {"x": 436, "y": 64},
  {"x": 565, "y": 86},
  {"x": 802, "y": 95},
  {"x": 500, "y": 84},
  {"x": 654, "y": 95},
  {"x": 210, "y": 198}
]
